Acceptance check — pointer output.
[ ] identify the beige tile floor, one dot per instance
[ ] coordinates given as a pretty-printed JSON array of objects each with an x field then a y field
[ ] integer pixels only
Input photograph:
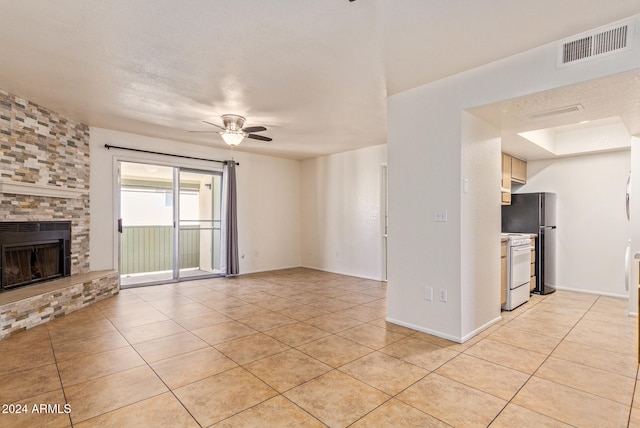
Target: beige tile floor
[{"x": 303, "y": 348}]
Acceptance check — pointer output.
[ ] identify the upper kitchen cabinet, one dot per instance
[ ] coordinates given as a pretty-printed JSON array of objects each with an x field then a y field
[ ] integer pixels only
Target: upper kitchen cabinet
[
  {"x": 518, "y": 170},
  {"x": 506, "y": 179},
  {"x": 513, "y": 170}
]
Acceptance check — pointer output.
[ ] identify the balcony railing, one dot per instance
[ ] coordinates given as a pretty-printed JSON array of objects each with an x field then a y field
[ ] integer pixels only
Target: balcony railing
[{"x": 148, "y": 249}]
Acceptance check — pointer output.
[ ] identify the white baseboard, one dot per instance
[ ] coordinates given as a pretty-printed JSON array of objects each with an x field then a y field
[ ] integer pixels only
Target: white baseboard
[
  {"x": 424, "y": 330},
  {"x": 341, "y": 273},
  {"x": 599, "y": 293},
  {"x": 481, "y": 329},
  {"x": 248, "y": 272}
]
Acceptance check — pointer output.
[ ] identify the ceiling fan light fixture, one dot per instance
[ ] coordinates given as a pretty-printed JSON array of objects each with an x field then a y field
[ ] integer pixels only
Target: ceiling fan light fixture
[
  {"x": 233, "y": 131},
  {"x": 232, "y": 138},
  {"x": 233, "y": 122}
]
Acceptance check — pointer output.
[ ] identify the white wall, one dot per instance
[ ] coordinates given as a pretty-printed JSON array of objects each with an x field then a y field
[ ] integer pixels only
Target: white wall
[
  {"x": 481, "y": 179},
  {"x": 268, "y": 198},
  {"x": 634, "y": 225},
  {"x": 425, "y": 174},
  {"x": 592, "y": 229},
  {"x": 341, "y": 212}
]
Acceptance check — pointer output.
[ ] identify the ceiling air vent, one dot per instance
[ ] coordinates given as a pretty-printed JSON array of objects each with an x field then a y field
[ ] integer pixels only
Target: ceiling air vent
[
  {"x": 597, "y": 43},
  {"x": 556, "y": 111}
]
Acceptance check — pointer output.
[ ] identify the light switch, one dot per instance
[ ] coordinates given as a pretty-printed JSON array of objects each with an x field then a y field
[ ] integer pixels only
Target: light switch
[{"x": 428, "y": 294}]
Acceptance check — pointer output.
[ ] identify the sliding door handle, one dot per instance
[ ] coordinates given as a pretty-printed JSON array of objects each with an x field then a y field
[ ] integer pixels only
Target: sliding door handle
[{"x": 119, "y": 225}]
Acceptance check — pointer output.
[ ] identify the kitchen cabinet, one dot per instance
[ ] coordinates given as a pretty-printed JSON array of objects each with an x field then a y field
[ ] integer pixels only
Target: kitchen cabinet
[
  {"x": 514, "y": 170},
  {"x": 518, "y": 170},
  {"x": 503, "y": 278},
  {"x": 506, "y": 179}
]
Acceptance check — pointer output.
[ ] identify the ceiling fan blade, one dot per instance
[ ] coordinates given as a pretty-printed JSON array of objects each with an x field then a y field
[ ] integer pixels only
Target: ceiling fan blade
[
  {"x": 259, "y": 137},
  {"x": 251, "y": 129},
  {"x": 206, "y": 132},
  {"x": 211, "y": 123}
]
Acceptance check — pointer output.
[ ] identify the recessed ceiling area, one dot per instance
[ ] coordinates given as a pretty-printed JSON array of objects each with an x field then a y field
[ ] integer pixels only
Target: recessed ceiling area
[{"x": 594, "y": 116}]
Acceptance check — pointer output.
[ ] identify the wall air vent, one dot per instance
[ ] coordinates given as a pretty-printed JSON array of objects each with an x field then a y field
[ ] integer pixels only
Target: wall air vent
[{"x": 587, "y": 46}]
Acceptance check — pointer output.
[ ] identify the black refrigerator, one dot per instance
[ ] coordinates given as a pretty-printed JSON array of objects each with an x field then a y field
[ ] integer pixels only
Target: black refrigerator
[{"x": 536, "y": 213}]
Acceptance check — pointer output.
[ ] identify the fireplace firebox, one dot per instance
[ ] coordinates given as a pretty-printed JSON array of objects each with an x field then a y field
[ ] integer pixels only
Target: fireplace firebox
[{"x": 32, "y": 252}]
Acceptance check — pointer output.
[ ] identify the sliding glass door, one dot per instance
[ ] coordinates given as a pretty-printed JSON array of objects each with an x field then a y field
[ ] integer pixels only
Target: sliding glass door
[
  {"x": 146, "y": 223},
  {"x": 199, "y": 223},
  {"x": 169, "y": 223}
]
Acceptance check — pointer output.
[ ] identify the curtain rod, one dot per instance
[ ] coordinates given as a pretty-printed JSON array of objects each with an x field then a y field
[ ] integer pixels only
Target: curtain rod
[{"x": 165, "y": 154}]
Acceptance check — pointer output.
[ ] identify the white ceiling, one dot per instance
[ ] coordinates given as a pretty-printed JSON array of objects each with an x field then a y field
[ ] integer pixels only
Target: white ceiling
[{"x": 315, "y": 73}]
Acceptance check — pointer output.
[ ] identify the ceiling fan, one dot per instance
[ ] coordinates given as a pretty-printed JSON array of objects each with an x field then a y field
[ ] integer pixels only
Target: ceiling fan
[{"x": 233, "y": 132}]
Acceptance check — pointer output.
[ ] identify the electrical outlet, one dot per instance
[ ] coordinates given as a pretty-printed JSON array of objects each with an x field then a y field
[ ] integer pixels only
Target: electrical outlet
[
  {"x": 428, "y": 294},
  {"x": 440, "y": 216},
  {"x": 443, "y": 295}
]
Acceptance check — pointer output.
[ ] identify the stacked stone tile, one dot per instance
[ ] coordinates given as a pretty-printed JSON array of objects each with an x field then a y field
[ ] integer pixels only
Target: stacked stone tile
[
  {"x": 39, "y": 309},
  {"x": 40, "y": 146}
]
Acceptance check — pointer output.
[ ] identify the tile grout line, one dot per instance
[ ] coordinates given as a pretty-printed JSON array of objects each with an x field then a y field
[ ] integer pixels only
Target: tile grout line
[
  {"x": 530, "y": 375},
  {"x": 62, "y": 388},
  {"x": 241, "y": 366},
  {"x": 334, "y": 369},
  {"x": 154, "y": 372},
  {"x": 547, "y": 358},
  {"x": 337, "y": 368}
]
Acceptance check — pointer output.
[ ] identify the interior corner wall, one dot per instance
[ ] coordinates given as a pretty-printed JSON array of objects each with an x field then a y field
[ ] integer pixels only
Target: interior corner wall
[
  {"x": 268, "y": 198},
  {"x": 480, "y": 194},
  {"x": 634, "y": 226},
  {"x": 425, "y": 154},
  {"x": 592, "y": 228},
  {"x": 424, "y": 177},
  {"x": 341, "y": 212}
]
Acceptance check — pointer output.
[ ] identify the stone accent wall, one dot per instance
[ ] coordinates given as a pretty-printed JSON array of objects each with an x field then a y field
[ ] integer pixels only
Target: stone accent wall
[
  {"x": 40, "y": 146},
  {"x": 32, "y": 311}
]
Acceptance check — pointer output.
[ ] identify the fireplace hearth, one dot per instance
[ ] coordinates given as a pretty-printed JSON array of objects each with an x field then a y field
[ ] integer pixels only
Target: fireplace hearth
[{"x": 33, "y": 252}]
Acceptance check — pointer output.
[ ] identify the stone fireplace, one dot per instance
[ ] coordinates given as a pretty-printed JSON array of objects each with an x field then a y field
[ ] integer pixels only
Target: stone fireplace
[{"x": 44, "y": 185}]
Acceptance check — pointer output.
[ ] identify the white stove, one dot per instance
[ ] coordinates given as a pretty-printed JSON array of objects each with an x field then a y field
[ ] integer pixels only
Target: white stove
[{"x": 518, "y": 269}]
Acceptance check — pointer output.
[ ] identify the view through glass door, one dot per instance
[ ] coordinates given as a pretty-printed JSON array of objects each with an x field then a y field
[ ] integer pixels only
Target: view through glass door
[
  {"x": 169, "y": 223},
  {"x": 199, "y": 224}
]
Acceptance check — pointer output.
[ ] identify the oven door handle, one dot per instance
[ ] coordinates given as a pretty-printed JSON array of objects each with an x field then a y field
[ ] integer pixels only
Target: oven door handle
[{"x": 518, "y": 249}]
